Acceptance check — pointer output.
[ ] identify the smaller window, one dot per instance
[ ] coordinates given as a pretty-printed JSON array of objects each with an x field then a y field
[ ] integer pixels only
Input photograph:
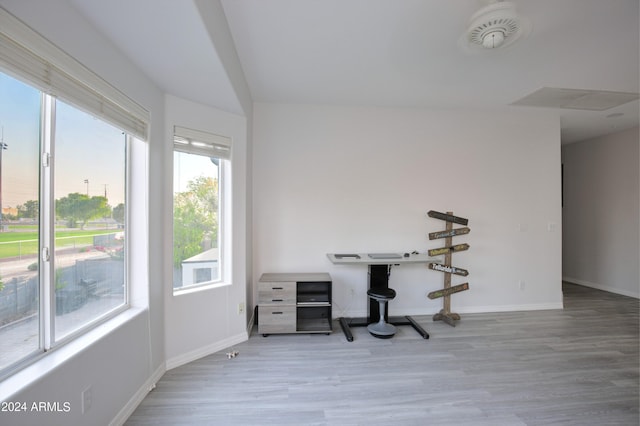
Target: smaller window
[{"x": 199, "y": 167}]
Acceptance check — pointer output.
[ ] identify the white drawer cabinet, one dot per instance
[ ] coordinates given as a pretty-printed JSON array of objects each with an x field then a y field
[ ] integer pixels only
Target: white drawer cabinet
[
  {"x": 277, "y": 319},
  {"x": 294, "y": 303},
  {"x": 277, "y": 293}
]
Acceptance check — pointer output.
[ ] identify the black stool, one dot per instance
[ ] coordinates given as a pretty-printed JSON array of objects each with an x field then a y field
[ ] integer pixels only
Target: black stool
[{"x": 381, "y": 329}]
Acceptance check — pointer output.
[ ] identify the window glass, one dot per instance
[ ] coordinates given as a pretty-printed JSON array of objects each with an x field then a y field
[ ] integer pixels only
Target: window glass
[
  {"x": 89, "y": 194},
  {"x": 196, "y": 242},
  {"x": 19, "y": 220}
]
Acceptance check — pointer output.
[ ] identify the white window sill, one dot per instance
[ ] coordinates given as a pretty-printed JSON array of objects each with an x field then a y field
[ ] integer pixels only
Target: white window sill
[
  {"x": 49, "y": 361},
  {"x": 198, "y": 288}
]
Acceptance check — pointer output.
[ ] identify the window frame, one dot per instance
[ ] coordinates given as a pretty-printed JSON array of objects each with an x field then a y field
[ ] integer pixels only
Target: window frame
[
  {"x": 47, "y": 339},
  {"x": 48, "y": 282},
  {"x": 209, "y": 145}
]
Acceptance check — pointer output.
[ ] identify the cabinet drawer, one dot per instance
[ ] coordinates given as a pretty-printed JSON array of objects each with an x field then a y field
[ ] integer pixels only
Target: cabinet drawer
[
  {"x": 276, "y": 293},
  {"x": 276, "y": 319}
]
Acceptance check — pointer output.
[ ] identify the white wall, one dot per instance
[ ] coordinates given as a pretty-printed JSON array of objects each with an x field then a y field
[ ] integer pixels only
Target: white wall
[
  {"x": 601, "y": 232},
  {"x": 203, "y": 322},
  {"x": 339, "y": 179}
]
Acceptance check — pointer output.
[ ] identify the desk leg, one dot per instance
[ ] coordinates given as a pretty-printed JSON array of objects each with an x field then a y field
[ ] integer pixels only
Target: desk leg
[
  {"x": 418, "y": 328},
  {"x": 378, "y": 278},
  {"x": 345, "y": 329},
  {"x": 407, "y": 320}
]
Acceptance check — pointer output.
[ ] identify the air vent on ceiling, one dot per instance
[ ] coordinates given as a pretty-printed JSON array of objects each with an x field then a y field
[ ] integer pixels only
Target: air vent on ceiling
[{"x": 590, "y": 100}]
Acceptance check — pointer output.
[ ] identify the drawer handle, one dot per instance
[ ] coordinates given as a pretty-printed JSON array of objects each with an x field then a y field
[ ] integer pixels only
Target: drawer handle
[
  {"x": 276, "y": 313},
  {"x": 276, "y": 300},
  {"x": 277, "y": 288}
]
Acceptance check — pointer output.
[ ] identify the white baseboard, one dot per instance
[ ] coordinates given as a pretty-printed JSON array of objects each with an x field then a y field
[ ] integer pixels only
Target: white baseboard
[
  {"x": 509, "y": 308},
  {"x": 473, "y": 309},
  {"x": 206, "y": 350},
  {"x": 251, "y": 322},
  {"x": 610, "y": 289},
  {"x": 139, "y": 396}
]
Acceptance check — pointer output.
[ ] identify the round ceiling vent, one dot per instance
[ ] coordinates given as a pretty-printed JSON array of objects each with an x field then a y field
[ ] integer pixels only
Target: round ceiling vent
[{"x": 494, "y": 26}]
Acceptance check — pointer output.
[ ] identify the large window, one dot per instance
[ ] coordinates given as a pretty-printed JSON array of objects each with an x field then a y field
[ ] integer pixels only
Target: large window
[
  {"x": 63, "y": 200},
  {"x": 200, "y": 163},
  {"x": 65, "y": 138}
]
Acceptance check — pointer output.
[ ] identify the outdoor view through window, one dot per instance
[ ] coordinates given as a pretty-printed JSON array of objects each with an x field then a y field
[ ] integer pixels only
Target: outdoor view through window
[
  {"x": 196, "y": 256},
  {"x": 86, "y": 201}
]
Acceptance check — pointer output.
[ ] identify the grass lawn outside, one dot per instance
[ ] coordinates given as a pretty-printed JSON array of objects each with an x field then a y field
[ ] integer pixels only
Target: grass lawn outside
[{"x": 25, "y": 242}]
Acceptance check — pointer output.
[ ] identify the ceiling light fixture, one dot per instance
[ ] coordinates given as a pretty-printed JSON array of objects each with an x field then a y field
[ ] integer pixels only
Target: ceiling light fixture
[{"x": 495, "y": 26}]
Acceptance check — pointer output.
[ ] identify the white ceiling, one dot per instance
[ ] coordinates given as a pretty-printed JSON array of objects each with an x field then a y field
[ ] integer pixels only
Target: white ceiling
[{"x": 387, "y": 53}]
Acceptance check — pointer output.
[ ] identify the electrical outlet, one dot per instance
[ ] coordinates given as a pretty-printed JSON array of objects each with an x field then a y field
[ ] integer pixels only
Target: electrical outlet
[
  {"x": 87, "y": 399},
  {"x": 240, "y": 308},
  {"x": 521, "y": 284},
  {"x": 352, "y": 292}
]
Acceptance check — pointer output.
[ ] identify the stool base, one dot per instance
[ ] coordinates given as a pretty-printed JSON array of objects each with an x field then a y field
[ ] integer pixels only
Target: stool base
[{"x": 381, "y": 330}]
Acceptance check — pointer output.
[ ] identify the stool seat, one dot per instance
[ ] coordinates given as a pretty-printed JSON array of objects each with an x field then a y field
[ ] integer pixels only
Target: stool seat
[
  {"x": 382, "y": 293},
  {"x": 381, "y": 329}
]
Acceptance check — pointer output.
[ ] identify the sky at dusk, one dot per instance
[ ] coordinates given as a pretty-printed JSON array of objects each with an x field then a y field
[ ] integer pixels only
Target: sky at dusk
[
  {"x": 87, "y": 149},
  {"x": 188, "y": 167}
]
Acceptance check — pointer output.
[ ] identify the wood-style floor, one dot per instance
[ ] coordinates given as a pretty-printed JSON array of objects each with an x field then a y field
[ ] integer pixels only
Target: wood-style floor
[{"x": 577, "y": 366}]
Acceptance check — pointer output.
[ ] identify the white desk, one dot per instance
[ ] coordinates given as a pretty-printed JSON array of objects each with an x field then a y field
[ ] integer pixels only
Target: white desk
[
  {"x": 379, "y": 266},
  {"x": 379, "y": 258}
]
